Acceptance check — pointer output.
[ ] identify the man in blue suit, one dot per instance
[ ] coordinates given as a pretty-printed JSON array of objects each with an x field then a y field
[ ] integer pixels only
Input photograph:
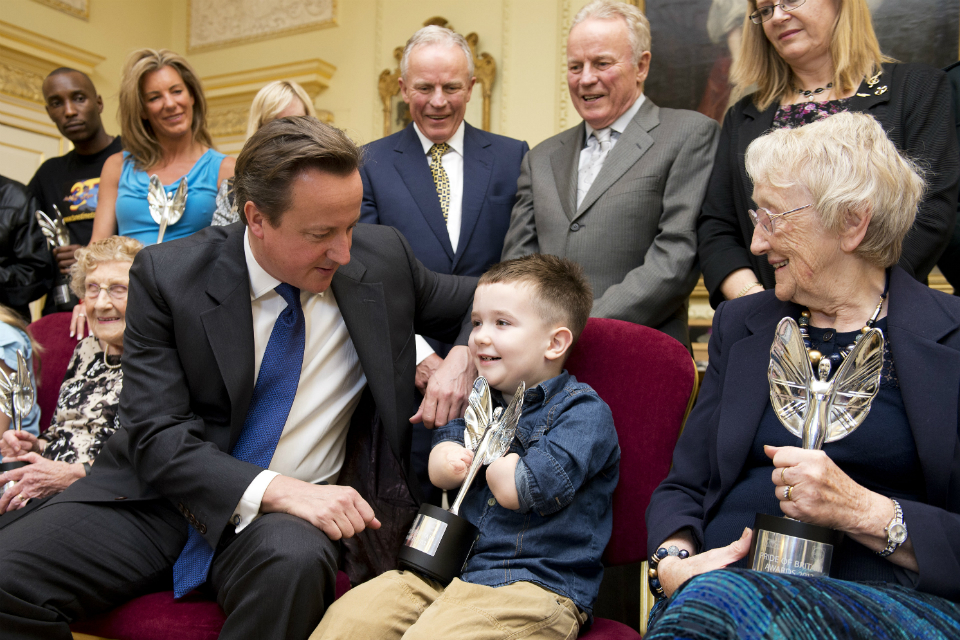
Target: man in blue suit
[{"x": 446, "y": 186}]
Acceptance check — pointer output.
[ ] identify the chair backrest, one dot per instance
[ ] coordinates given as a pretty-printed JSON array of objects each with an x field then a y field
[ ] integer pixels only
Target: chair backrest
[
  {"x": 649, "y": 380},
  {"x": 53, "y": 334}
]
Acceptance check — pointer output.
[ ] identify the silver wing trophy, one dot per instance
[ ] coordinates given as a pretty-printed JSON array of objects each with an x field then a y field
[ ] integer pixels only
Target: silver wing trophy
[
  {"x": 164, "y": 210},
  {"x": 55, "y": 231},
  {"x": 811, "y": 407},
  {"x": 17, "y": 396}
]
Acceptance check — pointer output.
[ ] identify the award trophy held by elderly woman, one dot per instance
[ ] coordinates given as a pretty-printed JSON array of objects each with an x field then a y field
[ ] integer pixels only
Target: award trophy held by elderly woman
[
  {"x": 17, "y": 396},
  {"x": 835, "y": 200}
]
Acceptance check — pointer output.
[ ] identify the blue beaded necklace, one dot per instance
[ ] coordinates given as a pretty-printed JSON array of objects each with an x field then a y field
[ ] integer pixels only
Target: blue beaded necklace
[{"x": 837, "y": 358}]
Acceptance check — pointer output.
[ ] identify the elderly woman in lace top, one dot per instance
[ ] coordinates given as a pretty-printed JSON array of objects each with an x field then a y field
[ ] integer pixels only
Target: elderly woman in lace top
[{"x": 86, "y": 413}]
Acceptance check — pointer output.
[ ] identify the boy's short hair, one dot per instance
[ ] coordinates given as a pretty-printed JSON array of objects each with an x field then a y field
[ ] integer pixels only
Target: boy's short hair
[{"x": 562, "y": 293}]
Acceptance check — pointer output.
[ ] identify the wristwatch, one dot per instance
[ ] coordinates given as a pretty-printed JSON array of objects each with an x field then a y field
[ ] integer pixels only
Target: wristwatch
[{"x": 896, "y": 531}]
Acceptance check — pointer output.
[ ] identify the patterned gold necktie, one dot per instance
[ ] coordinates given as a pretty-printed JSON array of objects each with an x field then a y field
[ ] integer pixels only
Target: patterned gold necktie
[{"x": 440, "y": 176}]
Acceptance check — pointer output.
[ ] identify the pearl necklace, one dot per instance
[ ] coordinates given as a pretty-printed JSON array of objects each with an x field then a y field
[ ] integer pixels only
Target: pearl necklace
[{"x": 107, "y": 364}]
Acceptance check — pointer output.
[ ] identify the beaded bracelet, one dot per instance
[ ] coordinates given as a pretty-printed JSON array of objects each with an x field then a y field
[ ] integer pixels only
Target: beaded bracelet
[
  {"x": 653, "y": 577},
  {"x": 743, "y": 291}
]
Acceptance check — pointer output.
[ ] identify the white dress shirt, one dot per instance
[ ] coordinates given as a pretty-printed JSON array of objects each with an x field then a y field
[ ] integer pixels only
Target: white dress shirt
[
  {"x": 591, "y": 147},
  {"x": 313, "y": 442},
  {"x": 453, "y": 164}
]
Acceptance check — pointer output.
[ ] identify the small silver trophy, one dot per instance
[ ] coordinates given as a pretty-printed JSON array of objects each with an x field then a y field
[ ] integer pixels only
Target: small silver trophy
[
  {"x": 17, "y": 396},
  {"x": 55, "y": 231},
  {"x": 817, "y": 411},
  {"x": 163, "y": 209},
  {"x": 439, "y": 541}
]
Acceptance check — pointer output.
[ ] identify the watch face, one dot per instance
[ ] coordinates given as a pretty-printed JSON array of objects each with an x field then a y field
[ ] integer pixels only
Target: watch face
[{"x": 898, "y": 533}]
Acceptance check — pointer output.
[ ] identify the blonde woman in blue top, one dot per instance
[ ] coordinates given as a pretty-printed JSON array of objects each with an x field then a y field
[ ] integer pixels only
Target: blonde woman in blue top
[{"x": 164, "y": 133}]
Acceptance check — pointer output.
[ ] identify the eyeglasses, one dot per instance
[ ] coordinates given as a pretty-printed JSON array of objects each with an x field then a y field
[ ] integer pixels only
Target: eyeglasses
[
  {"x": 115, "y": 291},
  {"x": 763, "y": 14},
  {"x": 768, "y": 221}
]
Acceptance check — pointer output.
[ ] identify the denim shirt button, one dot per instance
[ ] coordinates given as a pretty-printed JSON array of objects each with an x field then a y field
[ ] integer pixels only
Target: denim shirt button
[{"x": 492, "y": 501}]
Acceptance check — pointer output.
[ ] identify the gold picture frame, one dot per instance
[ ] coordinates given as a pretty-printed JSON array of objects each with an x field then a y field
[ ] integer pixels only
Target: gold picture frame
[{"x": 396, "y": 116}]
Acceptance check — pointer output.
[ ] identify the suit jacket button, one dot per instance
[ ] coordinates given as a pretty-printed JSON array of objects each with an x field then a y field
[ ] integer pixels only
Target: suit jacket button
[
  {"x": 236, "y": 520},
  {"x": 575, "y": 226}
]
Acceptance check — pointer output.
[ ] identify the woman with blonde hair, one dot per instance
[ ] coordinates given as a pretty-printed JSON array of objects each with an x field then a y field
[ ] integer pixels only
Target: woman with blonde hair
[
  {"x": 805, "y": 60},
  {"x": 279, "y": 99},
  {"x": 164, "y": 131},
  {"x": 86, "y": 413}
]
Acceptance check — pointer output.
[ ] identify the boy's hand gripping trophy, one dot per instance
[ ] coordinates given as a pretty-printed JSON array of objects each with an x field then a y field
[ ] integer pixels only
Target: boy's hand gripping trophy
[
  {"x": 16, "y": 400},
  {"x": 166, "y": 211},
  {"x": 439, "y": 541},
  {"x": 55, "y": 231}
]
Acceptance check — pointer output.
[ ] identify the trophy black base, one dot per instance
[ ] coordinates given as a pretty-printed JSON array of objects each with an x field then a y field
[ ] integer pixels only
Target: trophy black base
[
  {"x": 9, "y": 466},
  {"x": 784, "y": 545},
  {"x": 438, "y": 544}
]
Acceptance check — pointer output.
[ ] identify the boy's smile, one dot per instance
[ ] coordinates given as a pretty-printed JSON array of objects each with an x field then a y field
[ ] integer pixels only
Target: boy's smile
[{"x": 510, "y": 339}]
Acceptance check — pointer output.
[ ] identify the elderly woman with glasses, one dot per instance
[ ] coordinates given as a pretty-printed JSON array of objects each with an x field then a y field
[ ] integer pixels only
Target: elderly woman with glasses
[
  {"x": 834, "y": 202},
  {"x": 804, "y": 60},
  {"x": 86, "y": 413}
]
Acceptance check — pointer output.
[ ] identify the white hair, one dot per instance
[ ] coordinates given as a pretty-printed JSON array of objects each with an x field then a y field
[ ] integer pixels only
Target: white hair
[
  {"x": 848, "y": 165},
  {"x": 435, "y": 35},
  {"x": 638, "y": 27}
]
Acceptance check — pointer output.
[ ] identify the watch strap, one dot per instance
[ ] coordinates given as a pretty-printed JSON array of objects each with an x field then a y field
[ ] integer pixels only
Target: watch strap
[{"x": 892, "y": 545}]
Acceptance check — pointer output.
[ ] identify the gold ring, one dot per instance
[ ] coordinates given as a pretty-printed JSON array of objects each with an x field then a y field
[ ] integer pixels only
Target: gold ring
[
  {"x": 787, "y": 490},
  {"x": 20, "y": 497},
  {"x": 782, "y": 469}
]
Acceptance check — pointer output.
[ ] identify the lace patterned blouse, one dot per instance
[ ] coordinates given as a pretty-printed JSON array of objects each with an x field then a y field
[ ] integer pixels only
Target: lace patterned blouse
[
  {"x": 791, "y": 116},
  {"x": 86, "y": 413}
]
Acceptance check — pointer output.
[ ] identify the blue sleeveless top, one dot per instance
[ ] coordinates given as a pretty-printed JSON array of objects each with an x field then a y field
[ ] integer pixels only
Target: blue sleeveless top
[{"x": 133, "y": 212}]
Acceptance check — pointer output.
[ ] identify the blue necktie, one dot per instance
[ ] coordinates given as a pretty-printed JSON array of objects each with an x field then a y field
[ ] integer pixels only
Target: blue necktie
[{"x": 269, "y": 407}]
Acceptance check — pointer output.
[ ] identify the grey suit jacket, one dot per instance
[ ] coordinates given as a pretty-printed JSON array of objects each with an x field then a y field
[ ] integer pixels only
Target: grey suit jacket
[{"x": 635, "y": 234}]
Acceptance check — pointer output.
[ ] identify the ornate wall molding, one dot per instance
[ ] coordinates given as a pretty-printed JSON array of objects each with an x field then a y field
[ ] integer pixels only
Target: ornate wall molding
[
  {"x": 505, "y": 57},
  {"x": 76, "y": 8},
  {"x": 43, "y": 53},
  {"x": 20, "y": 83},
  {"x": 564, "y": 20},
  {"x": 229, "y": 95},
  {"x": 215, "y": 24}
]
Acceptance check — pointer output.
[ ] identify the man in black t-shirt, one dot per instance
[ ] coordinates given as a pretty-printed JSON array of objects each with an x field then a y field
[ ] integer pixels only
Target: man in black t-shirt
[{"x": 72, "y": 181}]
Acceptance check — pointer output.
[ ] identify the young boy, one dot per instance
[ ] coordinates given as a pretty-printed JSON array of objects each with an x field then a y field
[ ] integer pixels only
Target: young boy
[{"x": 544, "y": 508}]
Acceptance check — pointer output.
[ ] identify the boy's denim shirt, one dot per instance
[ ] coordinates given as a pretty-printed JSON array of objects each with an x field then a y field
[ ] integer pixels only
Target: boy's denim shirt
[{"x": 568, "y": 469}]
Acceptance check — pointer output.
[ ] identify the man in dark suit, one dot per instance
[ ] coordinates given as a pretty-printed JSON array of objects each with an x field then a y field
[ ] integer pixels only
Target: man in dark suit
[
  {"x": 445, "y": 185},
  {"x": 619, "y": 193},
  {"x": 268, "y": 374}
]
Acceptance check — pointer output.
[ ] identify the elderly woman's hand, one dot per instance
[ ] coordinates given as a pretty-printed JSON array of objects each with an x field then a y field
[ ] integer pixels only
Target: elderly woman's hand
[
  {"x": 16, "y": 443},
  {"x": 822, "y": 494},
  {"x": 673, "y": 572},
  {"x": 39, "y": 479},
  {"x": 78, "y": 322}
]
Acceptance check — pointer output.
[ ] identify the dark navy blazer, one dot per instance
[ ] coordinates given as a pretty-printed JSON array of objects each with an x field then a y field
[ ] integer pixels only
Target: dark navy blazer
[
  {"x": 924, "y": 330},
  {"x": 398, "y": 191}
]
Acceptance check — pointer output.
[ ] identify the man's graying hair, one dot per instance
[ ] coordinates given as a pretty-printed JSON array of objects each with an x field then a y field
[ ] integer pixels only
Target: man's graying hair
[
  {"x": 280, "y": 151},
  {"x": 638, "y": 27},
  {"x": 435, "y": 35}
]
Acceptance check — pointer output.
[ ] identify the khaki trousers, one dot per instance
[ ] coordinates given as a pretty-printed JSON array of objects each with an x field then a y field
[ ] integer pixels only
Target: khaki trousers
[{"x": 401, "y": 604}]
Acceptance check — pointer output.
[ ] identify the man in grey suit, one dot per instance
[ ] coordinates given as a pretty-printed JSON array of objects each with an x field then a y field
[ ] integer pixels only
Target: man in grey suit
[
  {"x": 268, "y": 378},
  {"x": 620, "y": 192}
]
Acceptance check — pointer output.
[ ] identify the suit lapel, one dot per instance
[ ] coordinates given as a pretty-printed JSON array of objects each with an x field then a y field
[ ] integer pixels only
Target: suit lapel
[
  {"x": 868, "y": 96},
  {"x": 229, "y": 327},
  {"x": 477, "y": 169},
  {"x": 633, "y": 143},
  {"x": 929, "y": 376},
  {"x": 755, "y": 125},
  {"x": 746, "y": 391},
  {"x": 564, "y": 162},
  {"x": 364, "y": 312},
  {"x": 414, "y": 169}
]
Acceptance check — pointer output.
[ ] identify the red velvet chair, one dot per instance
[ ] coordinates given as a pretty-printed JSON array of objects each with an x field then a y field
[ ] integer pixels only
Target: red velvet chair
[
  {"x": 648, "y": 379},
  {"x": 650, "y": 382}
]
